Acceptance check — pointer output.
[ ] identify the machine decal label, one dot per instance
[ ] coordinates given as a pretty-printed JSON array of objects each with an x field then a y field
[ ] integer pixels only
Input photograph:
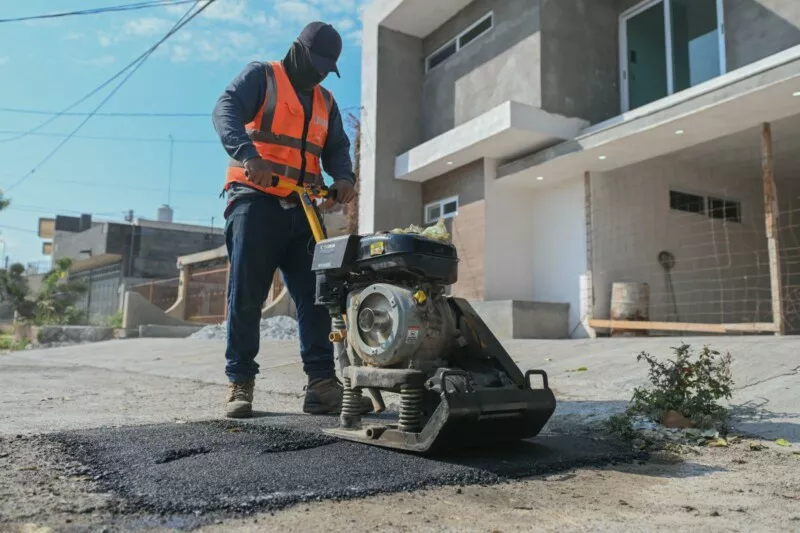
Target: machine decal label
[
  {"x": 413, "y": 335},
  {"x": 376, "y": 248}
]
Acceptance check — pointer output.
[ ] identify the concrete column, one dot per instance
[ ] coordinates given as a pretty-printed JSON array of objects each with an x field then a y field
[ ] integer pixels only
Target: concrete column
[{"x": 391, "y": 95}]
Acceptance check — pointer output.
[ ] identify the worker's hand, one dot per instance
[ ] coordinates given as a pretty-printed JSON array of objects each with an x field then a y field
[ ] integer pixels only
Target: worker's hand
[
  {"x": 259, "y": 172},
  {"x": 345, "y": 191}
]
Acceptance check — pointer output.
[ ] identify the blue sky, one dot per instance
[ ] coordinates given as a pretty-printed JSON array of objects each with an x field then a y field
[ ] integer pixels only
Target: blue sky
[{"x": 48, "y": 65}]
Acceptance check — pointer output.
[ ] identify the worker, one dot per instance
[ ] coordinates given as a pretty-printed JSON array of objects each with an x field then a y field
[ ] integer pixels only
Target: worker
[{"x": 275, "y": 119}]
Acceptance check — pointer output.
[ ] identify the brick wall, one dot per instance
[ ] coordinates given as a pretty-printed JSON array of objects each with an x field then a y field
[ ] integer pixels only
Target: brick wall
[{"x": 468, "y": 227}]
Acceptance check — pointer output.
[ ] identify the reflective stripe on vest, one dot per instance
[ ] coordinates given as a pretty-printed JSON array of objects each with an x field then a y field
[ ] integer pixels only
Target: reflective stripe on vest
[{"x": 277, "y": 133}]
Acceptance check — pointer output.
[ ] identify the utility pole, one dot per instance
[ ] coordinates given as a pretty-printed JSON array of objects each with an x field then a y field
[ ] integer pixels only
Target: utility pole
[
  {"x": 129, "y": 218},
  {"x": 89, "y": 294},
  {"x": 169, "y": 178}
]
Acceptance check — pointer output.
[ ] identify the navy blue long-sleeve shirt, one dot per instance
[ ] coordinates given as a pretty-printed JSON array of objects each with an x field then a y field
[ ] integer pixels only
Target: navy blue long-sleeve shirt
[{"x": 239, "y": 105}]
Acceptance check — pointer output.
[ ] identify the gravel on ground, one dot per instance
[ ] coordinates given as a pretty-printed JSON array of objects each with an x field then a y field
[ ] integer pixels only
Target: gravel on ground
[{"x": 277, "y": 328}]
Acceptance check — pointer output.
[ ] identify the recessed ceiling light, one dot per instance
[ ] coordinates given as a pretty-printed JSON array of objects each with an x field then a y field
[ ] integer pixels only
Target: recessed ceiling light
[
  {"x": 796, "y": 93},
  {"x": 539, "y": 178},
  {"x": 449, "y": 162},
  {"x": 679, "y": 132},
  {"x": 601, "y": 158}
]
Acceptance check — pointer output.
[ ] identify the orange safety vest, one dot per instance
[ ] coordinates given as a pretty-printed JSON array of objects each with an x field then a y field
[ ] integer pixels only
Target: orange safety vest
[{"x": 277, "y": 133}]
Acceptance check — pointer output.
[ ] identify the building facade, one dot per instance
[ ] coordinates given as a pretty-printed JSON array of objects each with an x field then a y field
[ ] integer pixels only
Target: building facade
[
  {"x": 574, "y": 145},
  {"x": 108, "y": 254}
]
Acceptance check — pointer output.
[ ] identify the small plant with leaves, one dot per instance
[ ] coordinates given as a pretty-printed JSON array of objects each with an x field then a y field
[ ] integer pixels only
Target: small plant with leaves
[
  {"x": 9, "y": 343},
  {"x": 55, "y": 303},
  {"x": 688, "y": 385},
  {"x": 113, "y": 321}
]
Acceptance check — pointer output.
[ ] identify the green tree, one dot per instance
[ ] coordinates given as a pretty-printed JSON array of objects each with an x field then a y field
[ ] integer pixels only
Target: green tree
[
  {"x": 55, "y": 303},
  {"x": 14, "y": 290}
]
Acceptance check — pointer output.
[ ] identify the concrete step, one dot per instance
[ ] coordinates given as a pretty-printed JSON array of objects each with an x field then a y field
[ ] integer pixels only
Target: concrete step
[{"x": 517, "y": 319}]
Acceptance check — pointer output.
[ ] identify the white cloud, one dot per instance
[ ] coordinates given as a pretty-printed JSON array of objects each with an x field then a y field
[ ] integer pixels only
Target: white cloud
[
  {"x": 180, "y": 53},
  {"x": 106, "y": 39},
  {"x": 227, "y": 10},
  {"x": 294, "y": 11},
  {"x": 354, "y": 37},
  {"x": 147, "y": 26},
  {"x": 102, "y": 61},
  {"x": 239, "y": 30},
  {"x": 230, "y": 10},
  {"x": 74, "y": 36},
  {"x": 345, "y": 25},
  {"x": 4, "y": 60}
]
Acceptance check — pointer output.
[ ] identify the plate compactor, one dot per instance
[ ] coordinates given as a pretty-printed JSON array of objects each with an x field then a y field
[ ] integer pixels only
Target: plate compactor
[{"x": 394, "y": 329}]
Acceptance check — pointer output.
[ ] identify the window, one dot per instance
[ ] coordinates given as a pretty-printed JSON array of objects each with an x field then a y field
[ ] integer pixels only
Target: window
[
  {"x": 667, "y": 46},
  {"x": 447, "y": 208},
  {"x": 718, "y": 208},
  {"x": 441, "y": 55},
  {"x": 476, "y": 31},
  {"x": 690, "y": 203},
  {"x": 461, "y": 40},
  {"x": 722, "y": 209}
]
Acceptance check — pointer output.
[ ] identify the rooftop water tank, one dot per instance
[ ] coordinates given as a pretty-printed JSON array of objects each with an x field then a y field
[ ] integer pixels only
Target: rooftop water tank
[{"x": 165, "y": 213}]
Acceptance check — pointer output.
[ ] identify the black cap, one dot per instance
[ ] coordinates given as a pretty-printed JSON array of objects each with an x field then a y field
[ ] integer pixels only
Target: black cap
[{"x": 325, "y": 45}]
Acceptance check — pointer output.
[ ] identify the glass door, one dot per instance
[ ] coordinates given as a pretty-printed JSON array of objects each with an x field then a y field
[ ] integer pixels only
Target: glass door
[
  {"x": 646, "y": 56},
  {"x": 696, "y": 43},
  {"x": 667, "y": 46}
]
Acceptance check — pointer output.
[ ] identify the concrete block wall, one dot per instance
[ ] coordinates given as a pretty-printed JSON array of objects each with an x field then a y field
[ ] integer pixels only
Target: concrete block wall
[
  {"x": 721, "y": 272},
  {"x": 563, "y": 56},
  {"x": 756, "y": 29},
  {"x": 579, "y": 58},
  {"x": 501, "y": 65},
  {"x": 392, "y": 70},
  {"x": 68, "y": 244},
  {"x": 157, "y": 250}
]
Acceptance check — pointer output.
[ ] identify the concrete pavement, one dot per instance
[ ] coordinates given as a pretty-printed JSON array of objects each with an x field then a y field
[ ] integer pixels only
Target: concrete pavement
[
  {"x": 135, "y": 381},
  {"x": 131, "y": 442}
]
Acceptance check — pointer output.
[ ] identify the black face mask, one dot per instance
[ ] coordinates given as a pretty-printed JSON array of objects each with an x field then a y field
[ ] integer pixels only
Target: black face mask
[{"x": 300, "y": 69}]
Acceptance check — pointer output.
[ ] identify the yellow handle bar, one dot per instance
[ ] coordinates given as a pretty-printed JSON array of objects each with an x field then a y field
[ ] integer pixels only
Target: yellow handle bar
[{"x": 305, "y": 192}]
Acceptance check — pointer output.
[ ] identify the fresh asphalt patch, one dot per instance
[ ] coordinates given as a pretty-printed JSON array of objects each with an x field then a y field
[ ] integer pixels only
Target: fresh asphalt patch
[{"x": 232, "y": 468}]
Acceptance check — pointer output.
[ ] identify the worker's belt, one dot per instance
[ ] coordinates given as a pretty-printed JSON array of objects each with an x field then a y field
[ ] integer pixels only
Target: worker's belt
[
  {"x": 282, "y": 140},
  {"x": 289, "y": 202},
  {"x": 287, "y": 171}
]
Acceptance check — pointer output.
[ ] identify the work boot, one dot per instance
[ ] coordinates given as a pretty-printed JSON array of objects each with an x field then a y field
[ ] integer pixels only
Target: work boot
[
  {"x": 324, "y": 397},
  {"x": 240, "y": 400}
]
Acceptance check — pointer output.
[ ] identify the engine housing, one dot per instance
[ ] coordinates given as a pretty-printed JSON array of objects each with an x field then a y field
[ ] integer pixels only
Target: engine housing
[{"x": 392, "y": 326}]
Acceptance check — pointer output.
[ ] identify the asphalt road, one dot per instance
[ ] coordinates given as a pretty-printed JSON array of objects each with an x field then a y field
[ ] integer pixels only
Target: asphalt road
[{"x": 194, "y": 471}]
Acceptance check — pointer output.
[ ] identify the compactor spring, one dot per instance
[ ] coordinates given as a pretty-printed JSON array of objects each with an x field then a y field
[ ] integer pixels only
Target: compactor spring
[
  {"x": 410, "y": 409},
  {"x": 351, "y": 400}
]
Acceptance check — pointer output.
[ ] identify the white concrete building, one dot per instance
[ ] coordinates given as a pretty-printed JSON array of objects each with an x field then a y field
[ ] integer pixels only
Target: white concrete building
[{"x": 571, "y": 142}]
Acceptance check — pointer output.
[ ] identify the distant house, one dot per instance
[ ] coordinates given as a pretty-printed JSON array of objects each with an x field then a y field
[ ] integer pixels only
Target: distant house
[
  {"x": 576, "y": 144},
  {"x": 109, "y": 254}
]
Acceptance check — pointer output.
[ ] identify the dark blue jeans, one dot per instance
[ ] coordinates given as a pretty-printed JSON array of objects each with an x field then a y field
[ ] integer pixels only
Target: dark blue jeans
[{"x": 262, "y": 236}]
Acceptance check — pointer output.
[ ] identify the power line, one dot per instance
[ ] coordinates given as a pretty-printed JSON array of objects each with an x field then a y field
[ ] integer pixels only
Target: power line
[
  {"x": 185, "y": 19},
  {"x": 113, "y": 138},
  {"x": 124, "y": 187},
  {"x": 127, "y": 115},
  {"x": 42, "y": 210},
  {"x": 100, "y": 10},
  {"x": 121, "y": 114},
  {"x": 14, "y": 228},
  {"x": 122, "y": 71}
]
